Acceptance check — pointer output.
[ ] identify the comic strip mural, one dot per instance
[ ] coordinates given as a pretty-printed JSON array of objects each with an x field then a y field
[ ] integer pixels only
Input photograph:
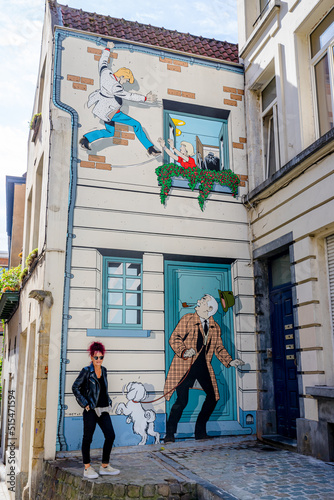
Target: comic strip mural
[{"x": 158, "y": 253}]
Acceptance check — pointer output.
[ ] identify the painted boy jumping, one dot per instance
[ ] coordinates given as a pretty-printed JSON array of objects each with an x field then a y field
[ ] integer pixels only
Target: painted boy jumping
[{"x": 108, "y": 101}]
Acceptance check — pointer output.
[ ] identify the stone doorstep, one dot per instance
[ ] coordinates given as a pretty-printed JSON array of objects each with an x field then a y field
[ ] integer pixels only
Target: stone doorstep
[{"x": 281, "y": 442}]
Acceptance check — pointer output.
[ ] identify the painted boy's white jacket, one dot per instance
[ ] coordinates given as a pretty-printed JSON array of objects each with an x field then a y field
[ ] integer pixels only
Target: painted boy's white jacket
[{"x": 108, "y": 99}]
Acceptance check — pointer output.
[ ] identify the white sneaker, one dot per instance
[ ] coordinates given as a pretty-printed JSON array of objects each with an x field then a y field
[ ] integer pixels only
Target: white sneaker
[
  {"x": 90, "y": 473},
  {"x": 108, "y": 471}
]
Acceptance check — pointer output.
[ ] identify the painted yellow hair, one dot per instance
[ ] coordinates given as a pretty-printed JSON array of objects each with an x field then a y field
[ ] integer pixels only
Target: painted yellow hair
[
  {"x": 189, "y": 147},
  {"x": 126, "y": 73}
]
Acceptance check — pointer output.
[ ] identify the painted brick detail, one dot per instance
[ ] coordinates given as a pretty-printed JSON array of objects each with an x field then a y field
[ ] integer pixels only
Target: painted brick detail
[
  {"x": 121, "y": 142},
  {"x": 174, "y": 92},
  {"x": 87, "y": 164},
  {"x": 236, "y": 97},
  {"x": 166, "y": 60},
  {"x": 229, "y": 89},
  {"x": 103, "y": 166},
  {"x": 174, "y": 68},
  {"x": 244, "y": 177},
  {"x": 118, "y": 126},
  {"x": 236, "y": 145},
  {"x": 92, "y": 50},
  {"x": 79, "y": 86},
  {"x": 241, "y": 92},
  {"x": 190, "y": 95},
  {"x": 180, "y": 63},
  {"x": 73, "y": 78},
  {"x": 128, "y": 135},
  {"x": 230, "y": 103},
  {"x": 98, "y": 53},
  {"x": 243, "y": 140},
  {"x": 97, "y": 158},
  {"x": 89, "y": 81}
]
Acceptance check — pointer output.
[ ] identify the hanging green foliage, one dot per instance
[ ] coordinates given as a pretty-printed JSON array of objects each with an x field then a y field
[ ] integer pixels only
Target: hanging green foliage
[{"x": 205, "y": 179}]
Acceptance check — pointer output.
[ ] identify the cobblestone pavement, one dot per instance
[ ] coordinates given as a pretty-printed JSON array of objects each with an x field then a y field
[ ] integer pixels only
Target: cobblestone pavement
[{"x": 253, "y": 471}]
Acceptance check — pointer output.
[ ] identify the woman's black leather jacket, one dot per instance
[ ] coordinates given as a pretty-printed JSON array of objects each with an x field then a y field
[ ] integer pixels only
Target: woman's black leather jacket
[{"x": 86, "y": 387}]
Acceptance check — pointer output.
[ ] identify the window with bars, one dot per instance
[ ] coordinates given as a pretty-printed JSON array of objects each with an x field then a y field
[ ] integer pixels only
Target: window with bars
[
  {"x": 122, "y": 293},
  {"x": 322, "y": 61}
]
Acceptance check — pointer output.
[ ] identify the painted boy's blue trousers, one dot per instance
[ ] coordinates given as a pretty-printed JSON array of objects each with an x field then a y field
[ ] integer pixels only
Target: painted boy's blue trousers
[{"x": 109, "y": 130}]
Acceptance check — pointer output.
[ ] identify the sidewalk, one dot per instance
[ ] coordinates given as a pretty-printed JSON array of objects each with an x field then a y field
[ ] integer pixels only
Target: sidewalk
[{"x": 228, "y": 468}]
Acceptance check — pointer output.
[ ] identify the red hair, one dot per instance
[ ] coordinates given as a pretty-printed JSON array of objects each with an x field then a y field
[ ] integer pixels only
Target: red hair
[{"x": 96, "y": 347}]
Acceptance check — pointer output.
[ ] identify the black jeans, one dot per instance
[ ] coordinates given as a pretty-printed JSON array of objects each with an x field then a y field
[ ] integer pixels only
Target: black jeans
[
  {"x": 90, "y": 419},
  {"x": 198, "y": 371}
]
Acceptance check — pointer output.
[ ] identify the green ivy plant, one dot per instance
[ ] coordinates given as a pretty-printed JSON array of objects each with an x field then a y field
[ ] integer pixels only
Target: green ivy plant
[
  {"x": 34, "y": 120},
  {"x": 10, "y": 280},
  {"x": 205, "y": 179}
]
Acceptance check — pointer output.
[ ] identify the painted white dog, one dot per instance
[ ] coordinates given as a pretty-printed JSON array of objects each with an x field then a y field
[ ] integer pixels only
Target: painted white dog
[{"x": 142, "y": 419}]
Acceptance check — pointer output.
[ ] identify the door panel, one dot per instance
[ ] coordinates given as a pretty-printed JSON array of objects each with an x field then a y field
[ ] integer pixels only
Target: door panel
[
  {"x": 187, "y": 283},
  {"x": 284, "y": 361}
]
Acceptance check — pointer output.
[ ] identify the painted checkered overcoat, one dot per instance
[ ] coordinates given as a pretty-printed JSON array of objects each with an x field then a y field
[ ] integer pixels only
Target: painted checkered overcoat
[{"x": 184, "y": 337}]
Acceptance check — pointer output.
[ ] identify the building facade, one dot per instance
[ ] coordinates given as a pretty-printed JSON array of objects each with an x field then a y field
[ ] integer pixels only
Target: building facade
[
  {"x": 287, "y": 49},
  {"x": 131, "y": 232}
]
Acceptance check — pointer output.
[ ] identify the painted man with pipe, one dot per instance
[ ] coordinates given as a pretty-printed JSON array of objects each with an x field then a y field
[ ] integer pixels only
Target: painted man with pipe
[{"x": 195, "y": 340}]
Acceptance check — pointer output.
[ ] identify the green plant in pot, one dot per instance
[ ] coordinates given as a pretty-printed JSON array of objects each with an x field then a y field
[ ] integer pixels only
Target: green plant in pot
[
  {"x": 31, "y": 257},
  {"x": 10, "y": 280}
]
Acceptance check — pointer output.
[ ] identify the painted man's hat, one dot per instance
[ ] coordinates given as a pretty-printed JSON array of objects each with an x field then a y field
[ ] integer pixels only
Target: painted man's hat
[{"x": 226, "y": 300}]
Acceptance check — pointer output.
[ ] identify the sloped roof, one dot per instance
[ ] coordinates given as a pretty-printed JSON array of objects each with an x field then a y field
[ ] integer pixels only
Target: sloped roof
[{"x": 143, "y": 33}]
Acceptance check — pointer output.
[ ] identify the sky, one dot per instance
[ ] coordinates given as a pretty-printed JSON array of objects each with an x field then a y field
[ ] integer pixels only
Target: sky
[{"x": 20, "y": 40}]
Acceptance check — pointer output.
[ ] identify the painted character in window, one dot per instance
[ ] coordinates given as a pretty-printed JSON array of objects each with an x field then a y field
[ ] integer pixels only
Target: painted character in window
[
  {"x": 196, "y": 336},
  {"x": 184, "y": 156},
  {"x": 108, "y": 100}
]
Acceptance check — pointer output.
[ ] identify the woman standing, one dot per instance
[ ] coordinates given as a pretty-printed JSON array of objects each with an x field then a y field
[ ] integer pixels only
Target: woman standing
[{"x": 91, "y": 392}]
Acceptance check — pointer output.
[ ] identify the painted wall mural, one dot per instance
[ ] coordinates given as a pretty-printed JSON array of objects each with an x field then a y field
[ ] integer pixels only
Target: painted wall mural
[
  {"x": 197, "y": 150},
  {"x": 195, "y": 340},
  {"x": 142, "y": 419},
  {"x": 107, "y": 103}
]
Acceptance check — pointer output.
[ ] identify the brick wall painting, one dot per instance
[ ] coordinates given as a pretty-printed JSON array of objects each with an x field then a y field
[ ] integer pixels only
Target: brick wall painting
[{"x": 106, "y": 103}]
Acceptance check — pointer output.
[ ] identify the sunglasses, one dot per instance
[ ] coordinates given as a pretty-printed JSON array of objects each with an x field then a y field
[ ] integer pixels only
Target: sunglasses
[{"x": 98, "y": 357}]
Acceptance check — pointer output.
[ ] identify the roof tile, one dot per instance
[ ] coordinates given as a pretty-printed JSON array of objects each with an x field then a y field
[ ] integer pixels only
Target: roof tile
[{"x": 145, "y": 33}]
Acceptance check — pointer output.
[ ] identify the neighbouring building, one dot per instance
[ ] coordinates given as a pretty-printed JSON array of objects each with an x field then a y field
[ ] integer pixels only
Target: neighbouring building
[
  {"x": 287, "y": 50},
  {"x": 123, "y": 255}
]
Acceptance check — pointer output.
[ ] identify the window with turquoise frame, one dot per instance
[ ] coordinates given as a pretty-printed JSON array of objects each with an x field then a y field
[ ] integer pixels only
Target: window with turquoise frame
[
  {"x": 122, "y": 293},
  {"x": 207, "y": 135}
]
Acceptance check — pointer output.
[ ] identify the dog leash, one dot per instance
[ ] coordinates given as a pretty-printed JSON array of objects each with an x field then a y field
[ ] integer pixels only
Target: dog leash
[{"x": 172, "y": 390}]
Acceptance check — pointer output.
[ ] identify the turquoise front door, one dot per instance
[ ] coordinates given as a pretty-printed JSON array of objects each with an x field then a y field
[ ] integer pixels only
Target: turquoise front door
[{"x": 186, "y": 283}]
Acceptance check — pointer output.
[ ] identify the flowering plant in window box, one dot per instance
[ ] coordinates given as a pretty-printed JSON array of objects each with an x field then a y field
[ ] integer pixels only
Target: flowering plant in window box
[{"x": 195, "y": 176}]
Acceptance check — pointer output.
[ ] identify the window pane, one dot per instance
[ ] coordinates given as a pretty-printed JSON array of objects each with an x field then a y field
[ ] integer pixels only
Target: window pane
[
  {"x": 269, "y": 94},
  {"x": 323, "y": 33},
  {"x": 115, "y": 267},
  {"x": 115, "y": 316},
  {"x": 271, "y": 149},
  {"x": 115, "y": 299},
  {"x": 133, "y": 299},
  {"x": 133, "y": 269},
  {"x": 280, "y": 270},
  {"x": 324, "y": 100},
  {"x": 115, "y": 283},
  {"x": 132, "y": 317},
  {"x": 133, "y": 284}
]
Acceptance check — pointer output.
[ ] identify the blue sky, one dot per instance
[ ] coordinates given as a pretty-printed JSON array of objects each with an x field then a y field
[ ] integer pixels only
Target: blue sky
[{"x": 20, "y": 39}]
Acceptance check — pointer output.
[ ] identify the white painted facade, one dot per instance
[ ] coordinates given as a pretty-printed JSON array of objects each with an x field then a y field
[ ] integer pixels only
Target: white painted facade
[
  {"x": 292, "y": 206},
  {"x": 118, "y": 213}
]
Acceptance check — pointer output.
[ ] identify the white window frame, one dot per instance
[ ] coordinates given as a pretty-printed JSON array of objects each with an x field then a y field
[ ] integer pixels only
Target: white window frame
[
  {"x": 272, "y": 107},
  {"x": 329, "y": 49}
]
